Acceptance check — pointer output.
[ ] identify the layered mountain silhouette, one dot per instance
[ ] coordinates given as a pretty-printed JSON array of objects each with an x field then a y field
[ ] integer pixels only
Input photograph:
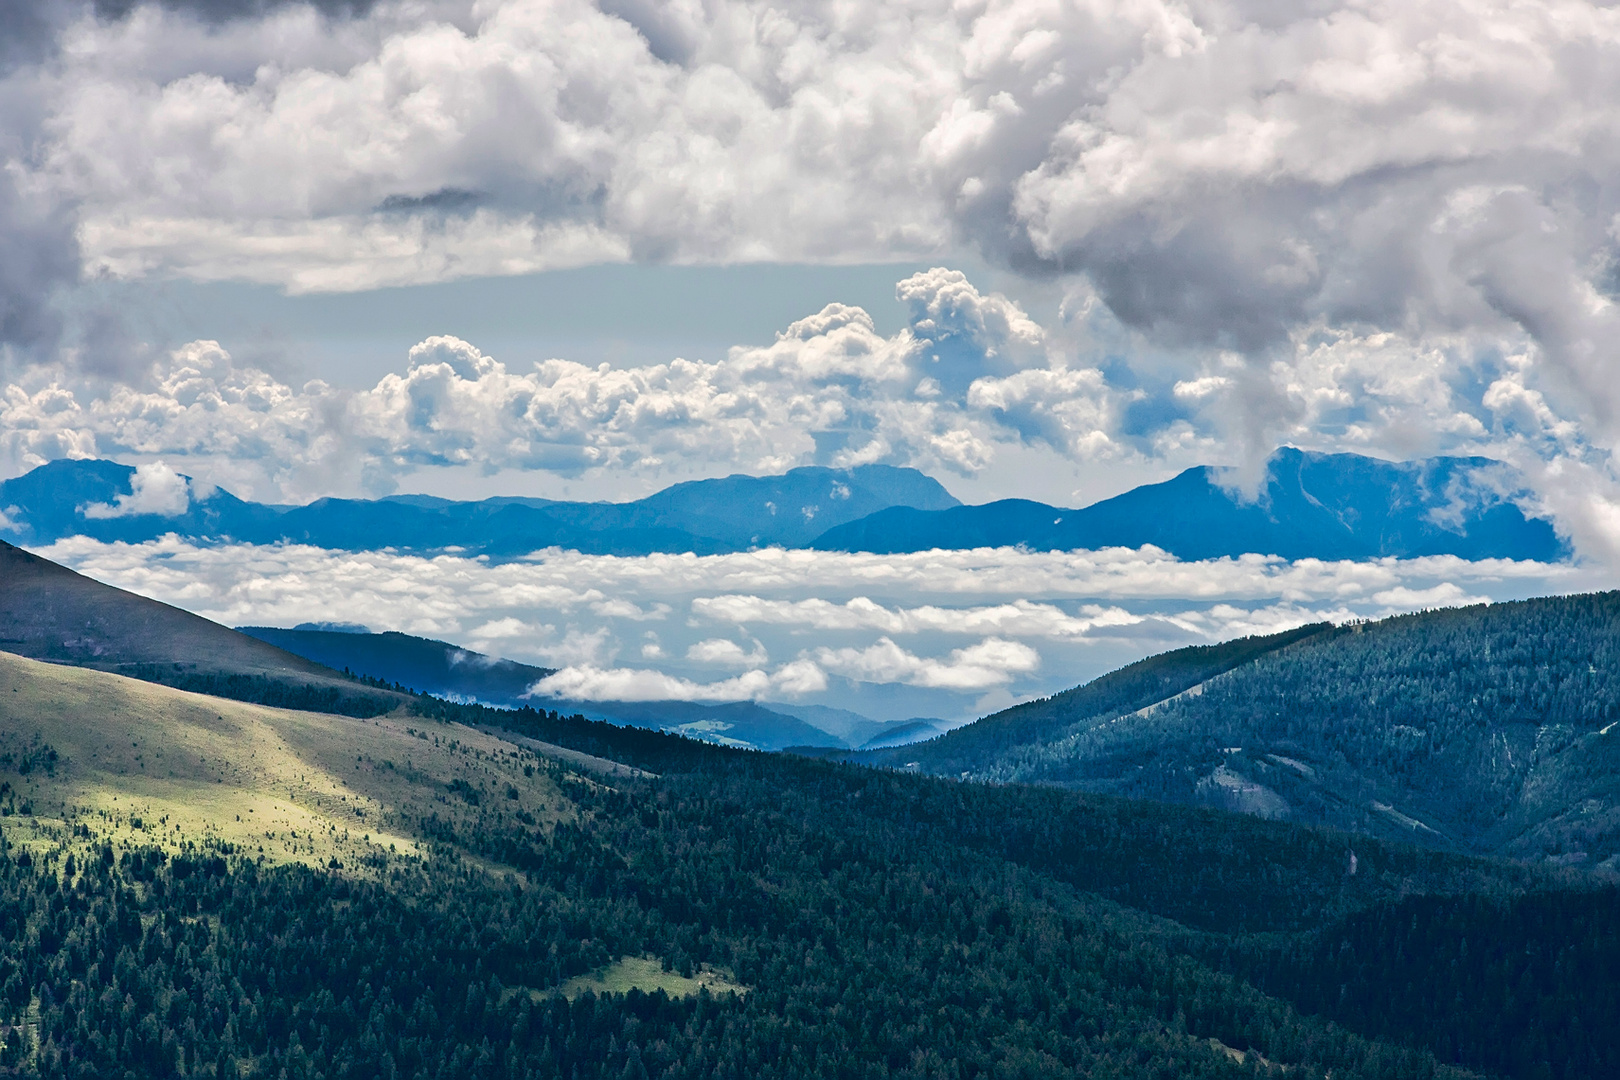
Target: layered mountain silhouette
[
  {"x": 448, "y": 671},
  {"x": 1324, "y": 506},
  {"x": 49, "y": 612},
  {"x": 734, "y": 513},
  {"x": 1328, "y": 506},
  {"x": 420, "y": 664}
]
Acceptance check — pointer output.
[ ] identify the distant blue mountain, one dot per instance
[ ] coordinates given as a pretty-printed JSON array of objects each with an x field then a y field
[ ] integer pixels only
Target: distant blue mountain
[
  {"x": 1325, "y": 506},
  {"x": 449, "y": 671},
  {"x": 1328, "y": 506},
  {"x": 735, "y": 513}
]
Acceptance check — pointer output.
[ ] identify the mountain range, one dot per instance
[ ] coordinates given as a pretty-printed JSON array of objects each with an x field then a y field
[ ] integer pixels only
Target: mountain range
[
  {"x": 734, "y": 513},
  {"x": 1492, "y": 729},
  {"x": 51, "y": 613},
  {"x": 1310, "y": 505}
]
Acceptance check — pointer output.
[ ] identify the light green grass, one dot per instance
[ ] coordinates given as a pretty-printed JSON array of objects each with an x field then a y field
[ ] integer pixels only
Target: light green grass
[
  {"x": 141, "y": 764},
  {"x": 646, "y": 973}
]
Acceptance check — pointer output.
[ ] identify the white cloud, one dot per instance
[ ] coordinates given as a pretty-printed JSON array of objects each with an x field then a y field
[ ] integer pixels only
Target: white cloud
[
  {"x": 1019, "y": 618},
  {"x": 991, "y": 662},
  {"x": 830, "y": 388},
  {"x": 154, "y": 489},
  {"x": 1033, "y": 622},
  {"x": 1334, "y": 224},
  {"x": 723, "y": 652},
  {"x": 1446, "y": 594},
  {"x": 587, "y": 683}
]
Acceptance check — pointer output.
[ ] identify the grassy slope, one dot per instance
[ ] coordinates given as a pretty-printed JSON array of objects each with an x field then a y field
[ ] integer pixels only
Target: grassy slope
[{"x": 292, "y": 786}]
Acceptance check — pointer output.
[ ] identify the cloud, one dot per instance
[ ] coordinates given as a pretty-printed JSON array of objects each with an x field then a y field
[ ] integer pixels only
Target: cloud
[
  {"x": 641, "y": 684},
  {"x": 723, "y": 652},
  {"x": 1020, "y": 618},
  {"x": 830, "y": 389},
  {"x": 1446, "y": 594},
  {"x": 991, "y": 662},
  {"x": 154, "y": 489},
  {"x": 1032, "y": 623},
  {"x": 1337, "y": 224}
]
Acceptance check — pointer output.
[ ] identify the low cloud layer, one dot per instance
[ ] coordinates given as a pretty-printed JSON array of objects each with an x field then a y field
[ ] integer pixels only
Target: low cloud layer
[{"x": 940, "y": 633}]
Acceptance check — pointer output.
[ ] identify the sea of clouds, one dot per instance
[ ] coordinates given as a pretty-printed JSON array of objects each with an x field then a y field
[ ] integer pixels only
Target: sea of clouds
[{"x": 948, "y": 634}]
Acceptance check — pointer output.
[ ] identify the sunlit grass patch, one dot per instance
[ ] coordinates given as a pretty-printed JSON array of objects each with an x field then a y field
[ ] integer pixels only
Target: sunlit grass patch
[{"x": 647, "y": 974}]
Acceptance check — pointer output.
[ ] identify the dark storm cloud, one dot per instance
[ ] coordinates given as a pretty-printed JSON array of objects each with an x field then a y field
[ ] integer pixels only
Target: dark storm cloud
[{"x": 227, "y": 10}]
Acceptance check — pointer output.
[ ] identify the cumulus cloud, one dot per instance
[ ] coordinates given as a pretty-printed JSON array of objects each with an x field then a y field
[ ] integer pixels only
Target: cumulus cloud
[
  {"x": 991, "y": 662},
  {"x": 154, "y": 489},
  {"x": 642, "y": 684},
  {"x": 723, "y": 652},
  {"x": 830, "y": 389}
]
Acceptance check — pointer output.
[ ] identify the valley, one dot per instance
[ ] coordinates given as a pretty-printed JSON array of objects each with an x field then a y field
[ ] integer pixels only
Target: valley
[{"x": 438, "y": 885}]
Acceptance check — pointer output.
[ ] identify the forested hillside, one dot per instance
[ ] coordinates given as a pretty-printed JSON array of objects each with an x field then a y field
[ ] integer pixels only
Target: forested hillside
[
  {"x": 852, "y": 922},
  {"x": 1487, "y": 729}
]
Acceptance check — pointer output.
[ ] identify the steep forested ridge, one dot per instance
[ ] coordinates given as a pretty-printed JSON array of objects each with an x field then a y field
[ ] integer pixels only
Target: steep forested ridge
[
  {"x": 1146, "y": 682},
  {"x": 1479, "y": 729}
]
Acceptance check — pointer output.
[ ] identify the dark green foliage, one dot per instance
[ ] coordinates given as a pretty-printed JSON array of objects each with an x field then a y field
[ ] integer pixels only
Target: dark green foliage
[
  {"x": 284, "y": 692},
  {"x": 874, "y": 947},
  {"x": 1528, "y": 985},
  {"x": 889, "y": 924}
]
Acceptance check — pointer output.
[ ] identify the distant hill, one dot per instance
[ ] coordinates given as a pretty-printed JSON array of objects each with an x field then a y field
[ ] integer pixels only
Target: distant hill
[
  {"x": 734, "y": 513},
  {"x": 741, "y": 724},
  {"x": 420, "y": 664},
  {"x": 1490, "y": 729},
  {"x": 1324, "y": 506},
  {"x": 49, "y": 612},
  {"x": 449, "y": 671}
]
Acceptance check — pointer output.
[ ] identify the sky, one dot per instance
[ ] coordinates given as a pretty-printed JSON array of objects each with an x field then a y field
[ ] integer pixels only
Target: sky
[{"x": 1044, "y": 248}]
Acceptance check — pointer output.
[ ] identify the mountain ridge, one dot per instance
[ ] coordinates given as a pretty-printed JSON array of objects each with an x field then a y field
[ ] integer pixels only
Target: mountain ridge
[
  {"x": 94, "y": 498},
  {"x": 1325, "y": 506},
  {"x": 1488, "y": 729}
]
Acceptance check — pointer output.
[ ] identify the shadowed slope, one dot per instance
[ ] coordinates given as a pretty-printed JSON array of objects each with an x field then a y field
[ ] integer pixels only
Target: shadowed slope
[{"x": 49, "y": 612}]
